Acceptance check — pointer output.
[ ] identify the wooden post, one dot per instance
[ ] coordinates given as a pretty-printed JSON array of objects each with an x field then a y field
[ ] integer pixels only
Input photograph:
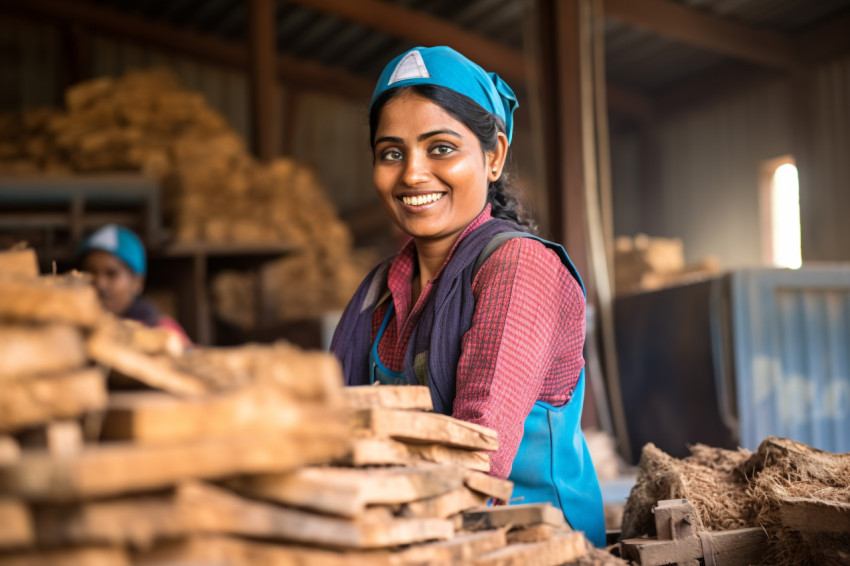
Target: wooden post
[{"x": 262, "y": 56}]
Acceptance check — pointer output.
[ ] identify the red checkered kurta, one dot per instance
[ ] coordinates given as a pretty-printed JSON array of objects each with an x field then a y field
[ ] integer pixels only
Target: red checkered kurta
[{"x": 525, "y": 343}]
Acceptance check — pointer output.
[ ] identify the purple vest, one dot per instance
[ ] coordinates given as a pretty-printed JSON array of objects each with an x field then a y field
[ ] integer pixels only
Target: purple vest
[{"x": 434, "y": 348}]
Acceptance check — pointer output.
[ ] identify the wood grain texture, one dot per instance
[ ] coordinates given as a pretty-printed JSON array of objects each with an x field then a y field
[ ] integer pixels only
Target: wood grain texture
[
  {"x": 389, "y": 397},
  {"x": 385, "y": 451},
  {"x": 32, "y": 349},
  {"x": 432, "y": 428},
  {"x": 560, "y": 549},
  {"x": 512, "y": 516},
  {"x": 66, "y": 298}
]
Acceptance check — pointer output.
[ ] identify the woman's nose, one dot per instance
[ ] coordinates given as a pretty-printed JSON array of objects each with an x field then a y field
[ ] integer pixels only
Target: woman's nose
[{"x": 416, "y": 169}]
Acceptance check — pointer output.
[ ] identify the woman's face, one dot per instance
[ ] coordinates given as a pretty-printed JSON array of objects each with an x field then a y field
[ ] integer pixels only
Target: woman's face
[
  {"x": 430, "y": 172},
  {"x": 117, "y": 286}
]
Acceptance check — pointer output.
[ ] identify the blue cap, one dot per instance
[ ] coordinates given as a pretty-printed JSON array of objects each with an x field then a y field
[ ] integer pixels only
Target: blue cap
[
  {"x": 119, "y": 241},
  {"x": 446, "y": 67}
]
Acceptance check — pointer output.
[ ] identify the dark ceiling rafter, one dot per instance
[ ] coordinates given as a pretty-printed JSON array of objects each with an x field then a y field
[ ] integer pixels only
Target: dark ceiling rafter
[
  {"x": 704, "y": 30},
  {"x": 826, "y": 40},
  {"x": 228, "y": 53},
  {"x": 418, "y": 27}
]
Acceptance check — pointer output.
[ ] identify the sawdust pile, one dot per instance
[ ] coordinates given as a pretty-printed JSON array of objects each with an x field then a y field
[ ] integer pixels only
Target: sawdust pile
[{"x": 737, "y": 489}]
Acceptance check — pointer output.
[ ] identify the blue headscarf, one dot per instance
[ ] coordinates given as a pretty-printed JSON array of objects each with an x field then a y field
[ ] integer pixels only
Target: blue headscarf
[
  {"x": 443, "y": 66},
  {"x": 119, "y": 241}
]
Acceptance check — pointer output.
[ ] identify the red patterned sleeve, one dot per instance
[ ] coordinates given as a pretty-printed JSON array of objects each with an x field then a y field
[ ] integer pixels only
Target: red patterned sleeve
[{"x": 525, "y": 343}]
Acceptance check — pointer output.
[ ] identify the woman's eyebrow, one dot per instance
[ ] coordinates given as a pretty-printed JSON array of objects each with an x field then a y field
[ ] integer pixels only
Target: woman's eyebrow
[
  {"x": 427, "y": 135},
  {"x": 390, "y": 139}
]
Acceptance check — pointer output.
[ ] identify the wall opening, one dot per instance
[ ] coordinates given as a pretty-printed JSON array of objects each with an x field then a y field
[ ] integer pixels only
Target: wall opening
[{"x": 780, "y": 196}]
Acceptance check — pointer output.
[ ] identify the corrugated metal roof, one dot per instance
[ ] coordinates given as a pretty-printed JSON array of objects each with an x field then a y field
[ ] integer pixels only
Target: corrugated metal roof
[{"x": 635, "y": 58}]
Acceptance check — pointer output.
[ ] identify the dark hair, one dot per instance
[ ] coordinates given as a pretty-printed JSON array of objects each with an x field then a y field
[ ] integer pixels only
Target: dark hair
[{"x": 501, "y": 194}]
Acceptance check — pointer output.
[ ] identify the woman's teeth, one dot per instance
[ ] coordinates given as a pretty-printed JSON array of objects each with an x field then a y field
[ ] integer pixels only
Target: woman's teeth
[{"x": 421, "y": 199}]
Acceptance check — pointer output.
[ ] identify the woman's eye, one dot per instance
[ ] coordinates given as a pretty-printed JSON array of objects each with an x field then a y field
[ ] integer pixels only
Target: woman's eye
[
  {"x": 391, "y": 155},
  {"x": 442, "y": 150}
]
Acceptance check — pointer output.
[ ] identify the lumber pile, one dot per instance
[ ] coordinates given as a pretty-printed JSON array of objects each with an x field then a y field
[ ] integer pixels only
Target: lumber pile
[
  {"x": 645, "y": 264},
  {"x": 786, "y": 499},
  {"x": 117, "y": 447},
  {"x": 213, "y": 189}
]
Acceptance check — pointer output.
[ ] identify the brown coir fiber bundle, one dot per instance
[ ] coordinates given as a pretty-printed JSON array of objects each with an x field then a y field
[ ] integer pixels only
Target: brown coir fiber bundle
[
  {"x": 708, "y": 479},
  {"x": 782, "y": 470},
  {"x": 737, "y": 489}
]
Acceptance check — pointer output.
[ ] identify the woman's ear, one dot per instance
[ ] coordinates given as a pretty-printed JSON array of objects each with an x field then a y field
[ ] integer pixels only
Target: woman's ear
[
  {"x": 138, "y": 284},
  {"x": 496, "y": 158}
]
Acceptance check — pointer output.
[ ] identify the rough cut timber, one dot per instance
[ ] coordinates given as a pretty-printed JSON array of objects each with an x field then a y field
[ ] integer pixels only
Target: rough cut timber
[
  {"x": 16, "y": 528},
  {"x": 10, "y": 451},
  {"x": 112, "y": 469},
  {"x": 414, "y": 397},
  {"x": 808, "y": 515},
  {"x": 462, "y": 549},
  {"x": 198, "y": 508},
  {"x": 66, "y": 298},
  {"x": 524, "y": 515},
  {"x": 534, "y": 533},
  {"x": 31, "y": 349},
  {"x": 233, "y": 551},
  {"x": 38, "y": 400},
  {"x": 19, "y": 263},
  {"x": 488, "y": 485},
  {"x": 347, "y": 492},
  {"x": 155, "y": 371},
  {"x": 386, "y": 452},
  {"x": 738, "y": 547},
  {"x": 444, "y": 505},
  {"x": 81, "y": 556},
  {"x": 59, "y": 438},
  {"x": 159, "y": 418},
  {"x": 413, "y": 426},
  {"x": 560, "y": 549}
]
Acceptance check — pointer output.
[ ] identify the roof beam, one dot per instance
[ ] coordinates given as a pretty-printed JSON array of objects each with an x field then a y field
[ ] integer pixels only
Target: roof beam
[
  {"x": 706, "y": 31},
  {"x": 418, "y": 27},
  {"x": 110, "y": 21}
]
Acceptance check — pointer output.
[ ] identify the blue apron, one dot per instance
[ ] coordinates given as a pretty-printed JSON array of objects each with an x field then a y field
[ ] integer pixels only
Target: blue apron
[{"x": 552, "y": 463}]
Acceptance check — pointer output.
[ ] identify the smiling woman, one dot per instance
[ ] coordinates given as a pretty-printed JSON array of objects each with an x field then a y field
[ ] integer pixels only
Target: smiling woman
[{"x": 488, "y": 316}]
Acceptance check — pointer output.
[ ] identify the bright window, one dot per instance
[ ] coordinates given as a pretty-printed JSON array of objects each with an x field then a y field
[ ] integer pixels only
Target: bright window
[{"x": 785, "y": 217}]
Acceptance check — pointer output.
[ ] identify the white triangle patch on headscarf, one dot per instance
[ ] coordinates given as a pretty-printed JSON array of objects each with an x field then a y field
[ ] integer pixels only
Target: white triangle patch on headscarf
[
  {"x": 410, "y": 67},
  {"x": 106, "y": 238}
]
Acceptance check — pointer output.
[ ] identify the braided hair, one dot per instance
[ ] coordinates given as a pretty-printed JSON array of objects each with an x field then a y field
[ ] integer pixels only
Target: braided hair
[{"x": 503, "y": 197}]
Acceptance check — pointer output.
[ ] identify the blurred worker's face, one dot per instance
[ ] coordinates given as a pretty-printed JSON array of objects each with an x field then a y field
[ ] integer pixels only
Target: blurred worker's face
[{"x": 117, "y": 286}]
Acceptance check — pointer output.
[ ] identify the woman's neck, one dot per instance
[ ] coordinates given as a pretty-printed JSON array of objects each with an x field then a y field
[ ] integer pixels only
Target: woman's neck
[{"x": 430, "y": 254}]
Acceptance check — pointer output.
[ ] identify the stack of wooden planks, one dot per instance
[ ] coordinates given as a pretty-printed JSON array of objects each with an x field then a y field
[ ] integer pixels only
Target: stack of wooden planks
[
  {"x": 213, "y": 188},
  {"x": 645, "y": 264},
  {"x": 116, "y": 447}
]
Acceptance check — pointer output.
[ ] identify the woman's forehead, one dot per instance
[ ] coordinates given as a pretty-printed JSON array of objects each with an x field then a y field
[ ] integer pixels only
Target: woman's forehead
[{"x": 412, "y": 114}]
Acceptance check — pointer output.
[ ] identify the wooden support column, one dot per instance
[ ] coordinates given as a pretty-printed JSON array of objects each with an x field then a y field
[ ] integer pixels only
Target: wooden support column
[
  {"x": 262, "y": 55},
  {"x": 572, "y": 105}
]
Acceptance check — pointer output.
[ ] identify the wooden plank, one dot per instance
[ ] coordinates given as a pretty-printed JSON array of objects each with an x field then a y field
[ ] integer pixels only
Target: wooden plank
[
  {"x": 444, "y": 505},
  {"x": 534, "y": 533},
  {"x": 262, "y": 52},
  {"x": 561, "y": 548},
  {"x": 814, "y": 516},
  {"x": 522, "y": 515},
  {"x": 233, "y": 551},
  {"x": 737, "y": 547},
  {"x": 155, "y": 371},
  {"x": 116, "y": 23},
  {"x": 35, "y": 401},
  {"x": 211, "y": 509},
  {"x": 489, "y": 485},
  {"x": 386, "y": 452},
  {"x": 17, "y": 528},
  {"x": 411, "y": 397},
  {"x": 412, "y": 426},
  {"x": 160, "y": 418},
  {"x": 86, "y": 556},
  {"x": 111, "y": 469},
  {"x": 462, "y": 549},
  {"x": 18, "y": 263},
  {"x": 34, "y": 349},
  {"x": 706, "y": 31},
  {"x": 347, "y": 491},
  {"x": 64, "y": 298}
]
